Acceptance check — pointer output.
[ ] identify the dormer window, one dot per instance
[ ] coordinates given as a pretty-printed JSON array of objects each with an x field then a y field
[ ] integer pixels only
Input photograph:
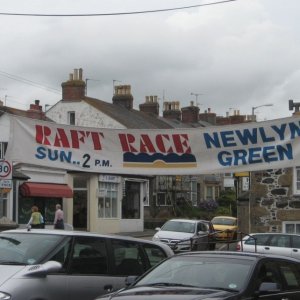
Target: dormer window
[{"x": 71, "y": 117}]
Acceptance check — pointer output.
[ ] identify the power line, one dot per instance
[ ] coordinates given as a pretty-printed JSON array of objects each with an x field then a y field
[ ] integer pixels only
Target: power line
[
  {"x": 29, "y": 82},
  {"x": 114, "y": 14}
]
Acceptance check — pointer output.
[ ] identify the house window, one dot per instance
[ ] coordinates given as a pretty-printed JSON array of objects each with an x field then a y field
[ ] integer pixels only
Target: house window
[
  {"x": 163, "y": 199},
  {"x": 291, "y": 227},
  {"x": 3, "y": 146},
  {"x": 3, "y": 205},
  {"x": 209, "y": 192},
  {"x": 107, "y": 200},
  {"x": 71, "y": 117},
  {"x": 296, "y": 181}
]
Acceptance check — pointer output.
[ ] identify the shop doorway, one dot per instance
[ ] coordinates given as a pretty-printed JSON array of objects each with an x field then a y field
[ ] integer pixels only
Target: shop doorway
[
  {"x": 80, "y": 203},
  {"x": 131, "y": 203}
]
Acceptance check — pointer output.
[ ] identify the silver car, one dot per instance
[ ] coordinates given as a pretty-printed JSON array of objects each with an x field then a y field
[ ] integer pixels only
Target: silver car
[
  {"x": 59, "y": 265},
  {"x": 285, "y": 244},
  {"x": 186, "y": 235}
]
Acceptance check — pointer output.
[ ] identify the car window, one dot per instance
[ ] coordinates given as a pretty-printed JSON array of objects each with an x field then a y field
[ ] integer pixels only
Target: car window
[
  {"x": 224, "y": 221},
  {"x": 202, "y": 227},
  {"x": 201, "y": 272},
  {"x": 61, "y": 253},
  {"x": 89, "y": 256},
  {"x": 27, "y": 248},
  {"x": 127, "y": 258},
  {"x": 179, "y": 226},
  {"x": 268, "y": 272},
  {"x": 260, "y": 239},
  {"x": 296, "y": 241},
  {"x": 280, "y": 241},
  {"x": 154, "y": 254},
  {"x": 291, "y": 274}
]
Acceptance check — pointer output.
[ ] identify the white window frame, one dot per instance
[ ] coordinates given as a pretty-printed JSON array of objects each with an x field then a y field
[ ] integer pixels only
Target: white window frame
[
  {"x": 294, "y": 223},
  {"x": 296, "y": 180},
  {"x": 71, "y": 117},
  {"x": 106, "y": 190}
]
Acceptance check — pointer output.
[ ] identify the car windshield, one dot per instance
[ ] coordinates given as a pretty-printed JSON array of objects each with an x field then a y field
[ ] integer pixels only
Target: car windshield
[
  {"x": 223, "y": 221},
  {"x": 179, "y": 226},
  {"x": 28, "y": 249},
  {"x": 202, "y": 272}
]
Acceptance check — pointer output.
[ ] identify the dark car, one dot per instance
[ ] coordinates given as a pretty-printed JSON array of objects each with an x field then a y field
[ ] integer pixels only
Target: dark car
[
  {"x": 186, "y": 235},
  {"x": 217, "y": 275},
  {"x": 58, "y": 264}
]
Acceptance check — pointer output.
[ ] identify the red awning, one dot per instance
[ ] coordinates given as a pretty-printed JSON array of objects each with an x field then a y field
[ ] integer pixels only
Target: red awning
[{"x": 51, "y": 190}]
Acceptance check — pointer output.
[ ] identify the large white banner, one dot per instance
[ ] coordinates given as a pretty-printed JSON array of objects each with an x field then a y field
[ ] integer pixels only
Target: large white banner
[{"x": 216, "y": 149}]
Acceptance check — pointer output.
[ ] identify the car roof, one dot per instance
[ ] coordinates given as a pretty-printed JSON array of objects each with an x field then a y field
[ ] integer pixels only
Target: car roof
[
  {"x": 188, "y": 220},
  {"x": 84, "y": 233},
  {"x": 236, "y": 255},
  {"x": 273, "y": 233},
  {"x": 225, "y": 217}
]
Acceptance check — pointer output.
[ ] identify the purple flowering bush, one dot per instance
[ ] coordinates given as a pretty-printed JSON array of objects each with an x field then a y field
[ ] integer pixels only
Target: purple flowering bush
[{"x": 209, "y": 205}]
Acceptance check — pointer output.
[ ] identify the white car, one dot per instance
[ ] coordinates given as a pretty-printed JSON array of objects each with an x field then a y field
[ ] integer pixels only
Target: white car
[
  {"x": 285, "y": 244},
  {"x": 186, "y": 235}
]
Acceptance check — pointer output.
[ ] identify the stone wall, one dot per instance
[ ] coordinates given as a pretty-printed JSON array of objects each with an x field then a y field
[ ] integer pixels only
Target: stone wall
[{"x": 272, "y": 201}]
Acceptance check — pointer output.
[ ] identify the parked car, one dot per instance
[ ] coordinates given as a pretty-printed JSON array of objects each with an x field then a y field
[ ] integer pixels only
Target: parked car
[
  {"x": 186, "y": 235},
  {"x": 59, "y": 264},
  {"x": 216, "y": 275},
  {"x": 225, "y": 226},
  {"x": 273, "y": 243}
]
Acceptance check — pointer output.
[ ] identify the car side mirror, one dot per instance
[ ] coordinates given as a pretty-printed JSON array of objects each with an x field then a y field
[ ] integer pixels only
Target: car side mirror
[
  {"x": 157, "y": 228},
  {"x": 43, "y": 270}
]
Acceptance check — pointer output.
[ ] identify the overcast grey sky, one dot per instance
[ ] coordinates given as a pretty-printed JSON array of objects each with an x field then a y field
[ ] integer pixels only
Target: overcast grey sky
[{"x": 237, "y": 55}]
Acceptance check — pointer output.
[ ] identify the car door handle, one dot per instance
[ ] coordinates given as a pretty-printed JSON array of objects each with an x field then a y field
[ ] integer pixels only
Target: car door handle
[
  {"x": 295, "y": 250},
  {"x": 108, "y": 287},
  {"x": 267, "y": 248}
]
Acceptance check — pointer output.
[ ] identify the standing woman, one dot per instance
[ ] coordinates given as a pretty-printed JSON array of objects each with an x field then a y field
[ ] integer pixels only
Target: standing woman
[
  {"x": 59, "y": 218},
  {"x": 36, "y": 218}
]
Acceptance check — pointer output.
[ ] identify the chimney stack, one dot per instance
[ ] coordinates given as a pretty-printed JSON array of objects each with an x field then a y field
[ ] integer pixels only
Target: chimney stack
[
  {"x": 74, "y": 88},
  {"x": 151, "y": 106},
  {"x": 171, "y": 110},
  {"x": 123, "y": 96},
  {"x": 190, "y": 114}
]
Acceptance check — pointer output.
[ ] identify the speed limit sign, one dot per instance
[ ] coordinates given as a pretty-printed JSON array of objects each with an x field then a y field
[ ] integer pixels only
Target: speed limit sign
[{"x": 5, "y": 169}]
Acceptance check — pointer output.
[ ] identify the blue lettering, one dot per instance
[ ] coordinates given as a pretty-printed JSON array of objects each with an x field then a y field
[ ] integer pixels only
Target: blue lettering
[
  {"x": 227, "y": 138},
  {"x": 268, "y": 154},
  {"x": 295, "y": 130},
  {"x": 254, "y": 155},
  {"x": 224, "y": 158},
  {"x": 53, "y": 155},
  {"x": 40, "y": 153},
  {"x": 264, "y": 137},
  {"x": 209, "y": 141},
  {"x": 240, "y": 155},
  {"x": 288, "y": 152},
  {"x": 279, "y": 130},
  {"x": 246, "y": 136}
]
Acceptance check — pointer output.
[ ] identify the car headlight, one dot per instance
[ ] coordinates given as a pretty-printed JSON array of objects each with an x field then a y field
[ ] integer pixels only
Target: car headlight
[
  {"x": 155, "y": 238},
  {"x": 4, "y": 296}
]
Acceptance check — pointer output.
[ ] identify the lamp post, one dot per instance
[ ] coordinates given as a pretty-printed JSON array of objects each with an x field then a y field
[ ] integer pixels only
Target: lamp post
[{"x": 255, "y": 107}]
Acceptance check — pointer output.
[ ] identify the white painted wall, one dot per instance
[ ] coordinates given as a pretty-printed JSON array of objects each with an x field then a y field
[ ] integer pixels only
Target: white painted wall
[
  {"x": 4, "y": 128},
  {"x": 85, "y": 115}
]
